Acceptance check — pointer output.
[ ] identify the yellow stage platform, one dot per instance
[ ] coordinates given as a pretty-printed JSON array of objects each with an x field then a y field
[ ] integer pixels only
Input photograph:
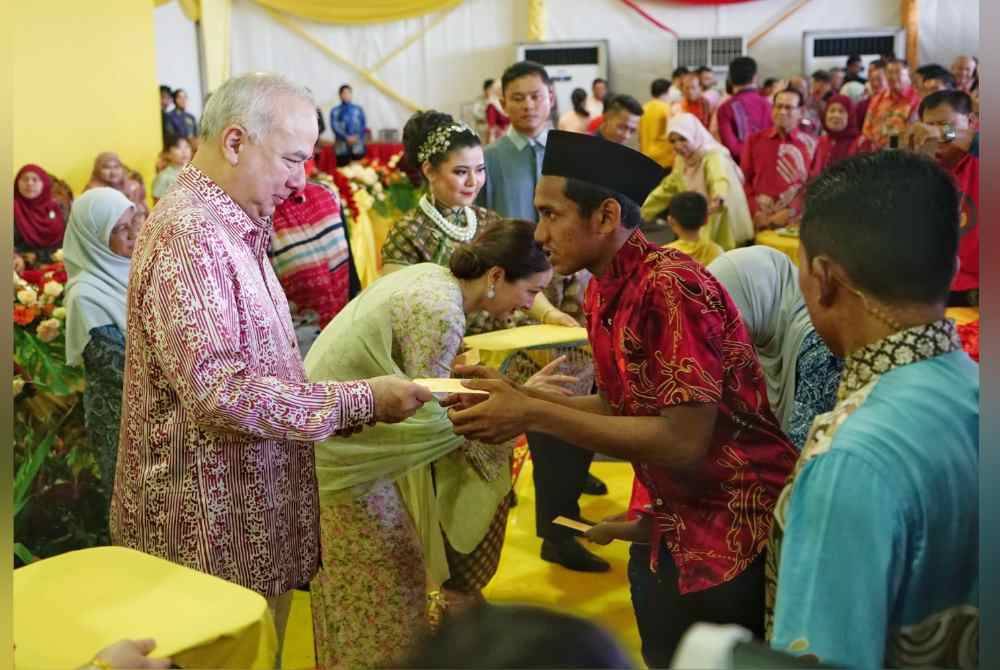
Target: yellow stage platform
[{"x": 525, "y": 578}]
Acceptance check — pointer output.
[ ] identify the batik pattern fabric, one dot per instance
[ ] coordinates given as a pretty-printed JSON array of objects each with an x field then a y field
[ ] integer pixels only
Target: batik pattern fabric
[
  {"x": 215, "y": 463},
  {"x": 887, "y": 115},
  {"x": 778, "y": 165},
  {"x": 416, "y": 238},
  {"x": 873, "y": 552},
  {"x": 310, "y": 253},
  {"x": 817, "y": 376},
  {"x": 664, "y": 333},
  {"x": 369, "y": 601},
  {"x": 103, "y": 367}
]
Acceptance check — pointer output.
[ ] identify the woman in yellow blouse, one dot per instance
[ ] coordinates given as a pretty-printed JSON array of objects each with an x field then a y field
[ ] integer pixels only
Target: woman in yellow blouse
[{"x": 704, "y": 166}]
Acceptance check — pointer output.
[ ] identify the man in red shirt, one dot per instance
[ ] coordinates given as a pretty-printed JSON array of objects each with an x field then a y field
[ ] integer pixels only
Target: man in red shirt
[
  {"x": 777, "y": 163},
  {"x": 944, "y": 115},
  {"x": 746, "y": 112},
  {"x": 681, "y": 393},
  {"x": 890, "y": 111},
  {"x": 694, "y": 101}
]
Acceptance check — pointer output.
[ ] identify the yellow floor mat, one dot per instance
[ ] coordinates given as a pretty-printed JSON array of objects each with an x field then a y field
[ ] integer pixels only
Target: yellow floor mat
[{"x": 525, "y": 578}]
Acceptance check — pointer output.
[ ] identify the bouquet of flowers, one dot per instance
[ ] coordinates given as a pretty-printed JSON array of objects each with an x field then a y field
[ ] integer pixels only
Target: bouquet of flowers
[
  {"x": 56, "y": 482},
  {"x": 383, "y": 187}
]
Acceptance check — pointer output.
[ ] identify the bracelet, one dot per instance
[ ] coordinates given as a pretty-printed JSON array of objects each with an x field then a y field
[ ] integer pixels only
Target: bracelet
[{"x": 99, "y": 664}]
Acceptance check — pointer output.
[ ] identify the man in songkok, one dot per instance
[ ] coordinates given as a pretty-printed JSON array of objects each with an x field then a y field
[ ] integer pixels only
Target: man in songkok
[
  {"x": 215, "y": 464},
  {"x": 681, "y": 394}
]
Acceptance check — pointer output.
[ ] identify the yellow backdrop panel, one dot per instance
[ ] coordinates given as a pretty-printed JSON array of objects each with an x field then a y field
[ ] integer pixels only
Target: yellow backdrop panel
[{"x": 85, "y": 81}]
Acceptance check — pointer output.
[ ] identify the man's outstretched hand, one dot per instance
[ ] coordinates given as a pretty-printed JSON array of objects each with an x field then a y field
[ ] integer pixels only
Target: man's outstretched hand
[
  {"x": 397, "y": 399},
  {"x": 498, "y": 417}
]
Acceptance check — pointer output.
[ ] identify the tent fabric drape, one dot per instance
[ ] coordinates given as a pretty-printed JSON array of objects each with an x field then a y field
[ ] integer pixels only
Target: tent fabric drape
[
  {"x": 216, "y": 31},
  {"x": 192, "y": 8},
  {"x": 369, "y": 11}
]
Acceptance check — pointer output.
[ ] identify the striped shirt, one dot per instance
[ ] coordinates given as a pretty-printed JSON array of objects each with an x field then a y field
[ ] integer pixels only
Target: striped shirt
[{"x": 215, "y": 461}]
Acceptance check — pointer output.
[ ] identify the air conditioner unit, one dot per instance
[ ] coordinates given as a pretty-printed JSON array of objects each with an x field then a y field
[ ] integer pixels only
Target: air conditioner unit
[
  {"x": 715, "y": 52},
  {"x": 569, "y": 64},
  {"x": 825, "y": 49}
]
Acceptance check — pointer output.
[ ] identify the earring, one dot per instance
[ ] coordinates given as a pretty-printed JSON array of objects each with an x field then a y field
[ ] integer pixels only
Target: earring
[{"x": 491, "y": 292}]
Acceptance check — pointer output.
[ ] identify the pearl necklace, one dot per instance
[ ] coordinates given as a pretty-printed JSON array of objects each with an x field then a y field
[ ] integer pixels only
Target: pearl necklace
[{"x": 458, "y": 233}]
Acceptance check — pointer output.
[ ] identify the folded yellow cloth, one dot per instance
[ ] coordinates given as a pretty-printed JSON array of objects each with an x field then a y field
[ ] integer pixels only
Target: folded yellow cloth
[{"x": 69, "y": 607}]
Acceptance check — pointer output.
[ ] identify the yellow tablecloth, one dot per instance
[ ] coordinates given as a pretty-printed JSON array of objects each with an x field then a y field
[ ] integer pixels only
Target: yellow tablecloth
[
  {"x": 494, "y": 348},
  {"x": 69, "y": 607},
  {"x": 962, "y": 315},
  {"x": 783, "y": 243}
]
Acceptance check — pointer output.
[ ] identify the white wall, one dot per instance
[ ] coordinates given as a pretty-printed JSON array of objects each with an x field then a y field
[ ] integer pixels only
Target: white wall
[
  {"x": 476, "y": 41},
  {"x": 177, "y": 53}
]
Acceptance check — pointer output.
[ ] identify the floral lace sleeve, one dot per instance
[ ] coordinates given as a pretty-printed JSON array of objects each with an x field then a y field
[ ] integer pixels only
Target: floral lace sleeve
[{"x": 428, "y": 327}]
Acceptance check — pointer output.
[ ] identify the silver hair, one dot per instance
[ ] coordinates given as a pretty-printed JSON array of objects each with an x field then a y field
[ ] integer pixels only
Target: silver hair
[{"x": 250, "y": 100}]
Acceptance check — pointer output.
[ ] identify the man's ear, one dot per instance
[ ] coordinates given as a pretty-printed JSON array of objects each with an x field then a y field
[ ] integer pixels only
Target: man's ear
[
  {"x": 609, "y": 216},
  {"x": 234, "y": 137},
  {"x": 828, "y": 278}
]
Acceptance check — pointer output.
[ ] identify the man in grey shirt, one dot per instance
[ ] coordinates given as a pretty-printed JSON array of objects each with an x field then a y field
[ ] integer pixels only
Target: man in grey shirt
[{"x": 513, "y": 167}]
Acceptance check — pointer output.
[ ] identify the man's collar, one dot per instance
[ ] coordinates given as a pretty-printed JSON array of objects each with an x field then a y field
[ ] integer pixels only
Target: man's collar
[{"x": 520, "y": 141}]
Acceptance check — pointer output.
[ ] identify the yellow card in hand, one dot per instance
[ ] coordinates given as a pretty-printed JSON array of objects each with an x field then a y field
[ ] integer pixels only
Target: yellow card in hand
[
  {"x": 570, "y": 523},
  {"x": 447, "y": 386},
  {"x": 469, "y": 357}
]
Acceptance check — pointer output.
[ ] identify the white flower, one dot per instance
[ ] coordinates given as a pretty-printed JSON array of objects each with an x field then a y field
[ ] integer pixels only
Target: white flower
[
  {"x": 48, "y": 330},
  {"x": 57, "y": 256},
  {"x": 27, "y": 296},
  {"x": 369, "y": 176},
  {"x": 18, "y": 385},
  {"x": 59, "y": 313},
  {"x": 53, "y": 289}
]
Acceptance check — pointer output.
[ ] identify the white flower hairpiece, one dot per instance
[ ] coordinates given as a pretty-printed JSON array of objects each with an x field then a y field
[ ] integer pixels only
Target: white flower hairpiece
[{"x": 438, "y": 140}]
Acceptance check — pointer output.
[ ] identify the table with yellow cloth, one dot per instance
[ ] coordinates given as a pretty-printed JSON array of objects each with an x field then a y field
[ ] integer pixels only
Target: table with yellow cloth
[
  {"x": 497, "y": 347},
  {"x": 786, "y": 244},
  {"x": 69, "y": 607}
]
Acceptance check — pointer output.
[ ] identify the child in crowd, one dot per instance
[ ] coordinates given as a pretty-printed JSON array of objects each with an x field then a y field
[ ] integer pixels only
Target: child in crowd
[
  {"x": 176, "y": 154},
  {"x": 688, "y": 213}
]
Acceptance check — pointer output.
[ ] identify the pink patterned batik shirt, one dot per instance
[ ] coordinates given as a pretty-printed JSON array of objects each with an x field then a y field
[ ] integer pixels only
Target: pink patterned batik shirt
[{"x": 215, "y": 462}]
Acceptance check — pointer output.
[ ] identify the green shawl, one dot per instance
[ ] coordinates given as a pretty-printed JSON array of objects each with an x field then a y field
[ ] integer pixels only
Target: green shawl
[{"x": 357, "y": 344}]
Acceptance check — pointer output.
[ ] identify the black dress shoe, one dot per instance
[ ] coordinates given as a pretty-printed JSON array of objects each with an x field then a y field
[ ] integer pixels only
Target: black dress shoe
[
  {"x": 594, "y": 486},
  {"x": 571, "y": 554}
]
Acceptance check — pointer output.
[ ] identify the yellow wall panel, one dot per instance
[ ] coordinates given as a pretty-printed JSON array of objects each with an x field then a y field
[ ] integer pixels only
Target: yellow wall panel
[{"x": 84, "y": 80}]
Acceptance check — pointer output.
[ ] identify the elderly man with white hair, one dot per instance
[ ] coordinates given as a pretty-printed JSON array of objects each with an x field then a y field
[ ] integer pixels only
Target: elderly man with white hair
[{"x": 215, "y": 466}]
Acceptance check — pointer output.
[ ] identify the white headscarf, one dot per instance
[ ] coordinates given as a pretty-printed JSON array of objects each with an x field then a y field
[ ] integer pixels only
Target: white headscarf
[
  {"x": 98, "y": 277},
  {"x": 702, "y": 144},
  {"x": 764, "y": 284}
]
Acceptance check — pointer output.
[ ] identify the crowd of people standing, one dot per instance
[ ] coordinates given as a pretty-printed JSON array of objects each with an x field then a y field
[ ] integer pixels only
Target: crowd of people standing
[{"x": 777, "y": 413}]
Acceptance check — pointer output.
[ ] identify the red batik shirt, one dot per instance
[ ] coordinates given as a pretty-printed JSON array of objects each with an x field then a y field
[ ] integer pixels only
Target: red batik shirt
[
  {"x": 664, "y": 332},
  {"x": 778, "y": 165}
]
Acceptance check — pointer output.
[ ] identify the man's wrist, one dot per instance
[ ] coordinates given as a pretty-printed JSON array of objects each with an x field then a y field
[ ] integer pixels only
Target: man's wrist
[{"x": 535, "y": 410}]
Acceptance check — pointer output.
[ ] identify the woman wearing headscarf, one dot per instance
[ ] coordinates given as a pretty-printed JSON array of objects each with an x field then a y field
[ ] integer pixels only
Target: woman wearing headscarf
[
  {"x": 802, "y": 374},
  {"x": 100, "y": 236},
  {"x": 108, "y": 171},
  {"x": 840, "y": 139},
  {"x": 38, "y": 219},
  {"x": 704, "y": 166}
]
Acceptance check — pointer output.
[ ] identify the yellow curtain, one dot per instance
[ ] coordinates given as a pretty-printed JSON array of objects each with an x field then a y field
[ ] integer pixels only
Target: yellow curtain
[
  {"x": 367, "y": 11},
  {"x": 215, "y": 31},
  {"x": 192, "y": 8}
]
